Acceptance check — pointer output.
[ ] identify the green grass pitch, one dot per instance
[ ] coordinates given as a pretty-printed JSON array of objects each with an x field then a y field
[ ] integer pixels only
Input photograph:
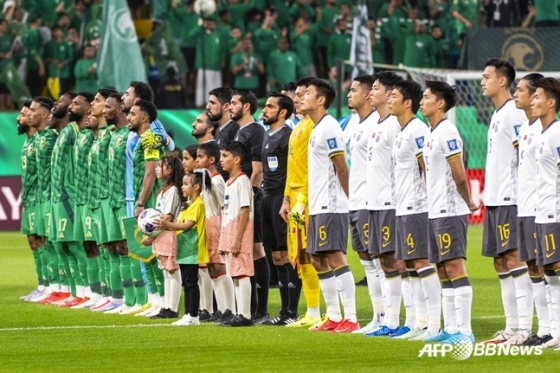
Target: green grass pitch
[{"x": 38, "y": 338}]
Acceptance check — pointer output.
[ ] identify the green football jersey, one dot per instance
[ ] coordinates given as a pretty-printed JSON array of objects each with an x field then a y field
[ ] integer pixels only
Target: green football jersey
[
  {"x": 117, "y": 167},
  {"x": 81, "y": 154},
  {"x": 98, "y": 167},
  {"x": 63, "y": 185},
  {"x": 146, "y": 150},
  {"x": 44, "y": 145},
  {"x": 29, "y": 172}
]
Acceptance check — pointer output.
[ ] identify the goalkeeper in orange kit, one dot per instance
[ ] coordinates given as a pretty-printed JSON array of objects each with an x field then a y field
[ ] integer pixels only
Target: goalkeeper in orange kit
[{"x": 294, "y": 211}]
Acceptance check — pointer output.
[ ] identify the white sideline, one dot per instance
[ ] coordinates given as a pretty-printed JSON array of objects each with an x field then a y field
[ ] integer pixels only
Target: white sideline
[{"x": 143, "y": 325}]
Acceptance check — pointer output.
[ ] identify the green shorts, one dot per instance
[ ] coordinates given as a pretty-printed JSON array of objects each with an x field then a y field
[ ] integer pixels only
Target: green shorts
[
  {"x": 62, "y": 223},
  {"x": 115, "y": 226},
  {"x": 47, "y": 213},
  {"x": 84, "y": 226},
  {"x": 28, "y": 217},
  {"x": 40, "y": 219},
  {"x": 101, "y": 216}
]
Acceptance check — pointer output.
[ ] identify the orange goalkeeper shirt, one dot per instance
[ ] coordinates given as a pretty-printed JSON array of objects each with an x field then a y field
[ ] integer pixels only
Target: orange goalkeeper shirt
[{"x": 297, "y": 157}]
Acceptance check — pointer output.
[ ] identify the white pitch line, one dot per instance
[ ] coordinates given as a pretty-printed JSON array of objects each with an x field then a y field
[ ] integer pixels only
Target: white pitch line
[{"x": 138, "y": 326}]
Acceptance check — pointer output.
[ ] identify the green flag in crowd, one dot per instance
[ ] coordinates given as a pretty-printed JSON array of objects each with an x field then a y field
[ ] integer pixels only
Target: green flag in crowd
[
  {"x": 360, "y": 50},
  {"x": 11, "y": 79},
  {"x": 164, "y": 50},
  {"x": 119, "y": 58}
]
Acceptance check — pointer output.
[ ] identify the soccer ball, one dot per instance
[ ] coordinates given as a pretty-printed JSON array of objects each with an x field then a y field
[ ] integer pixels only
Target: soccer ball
[
  {"x": 204, "y": 7},
  {"x": 146, "y": 222}
]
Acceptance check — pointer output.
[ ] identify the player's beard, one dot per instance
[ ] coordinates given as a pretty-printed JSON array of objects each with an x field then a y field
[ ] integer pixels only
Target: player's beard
[
  {"x": 74, "y": 117},
  {"x": 269, "y": 121},
  {"x": 198, "y": 135},
  {"x": 111, "y": 121},
  {"x": 60, "y": 112},
  {"x": 213, "y": 117},
  {"x": 22, "y": 128}
]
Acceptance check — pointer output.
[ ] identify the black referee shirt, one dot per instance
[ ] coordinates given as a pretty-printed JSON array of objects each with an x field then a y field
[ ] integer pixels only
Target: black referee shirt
[{"x": 275, "y": 160}]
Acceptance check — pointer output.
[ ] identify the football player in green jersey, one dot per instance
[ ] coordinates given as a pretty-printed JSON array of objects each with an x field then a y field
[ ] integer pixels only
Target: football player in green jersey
[
  {"x": 29, "y": 195},
  {"x": 114, "y": 210},
  {"x": 146, "y": 155},
  {"x": 38, "y": 113}
]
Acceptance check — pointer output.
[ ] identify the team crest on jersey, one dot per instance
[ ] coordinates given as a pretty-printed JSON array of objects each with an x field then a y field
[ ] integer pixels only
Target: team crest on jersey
[
  {"x": 452, "y": 145},
  {"x": 273, "y": 163},
  {"x": 495, "y": 126},
  {"x": 332, "y": 143},
  {"x": 83, "y": 140},
  {"x": 119, "y": 140},
  {"x": 378, "y": 136},
  {"x": 530, "y": 138},
  {"x": 358, "y": 135},
  {"x": 398, "y": 143},
  {"x": 312, "y": 141},
  {"x": 419, "y": 142},
  {"x": 541, "y": 148},
  {"x": 42, "y": 143},
  {"x": 30, "y": 149},
  {"x": 516, "y": 129}
]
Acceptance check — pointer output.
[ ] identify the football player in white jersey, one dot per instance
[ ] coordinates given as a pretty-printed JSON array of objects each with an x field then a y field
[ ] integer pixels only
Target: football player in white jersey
[
  {"x": 449, "y": 204},
  {"x": 545, "y": 106},
  {"x": 499, "y": 238},
  {"x": 328, "y": 209},
  {"x": 526, "y": 196},
  {"x": 380, "y": 184},
  {"x": 412, "y": 210},
  {"x": 358, "y": 100}
]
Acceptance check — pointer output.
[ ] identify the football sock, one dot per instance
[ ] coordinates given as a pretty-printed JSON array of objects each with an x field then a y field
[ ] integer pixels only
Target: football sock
[
  {"x": 374, "y": 289},
  {"x": 508, "y": 301},
  {"x": 523, "y": 297},
  {"x": 93, "y": 275},
  {"x": 328, "y": 284},
  {"x": 44, "y": 258},
  {"x": 66, "y": 279},
  {"x": 38, "y": 266},
  {"x": 294, "y": 289},
  {"x": 74, "y": 269},
  {"x": 225, "y": 290},
  {"x": 105, "y": 263},
  {"x": 154, "y": 275},
  {"x": 408, "y": 300},
  {"x": 346, "y": 288},
  {"x": 77, "y": 249},
  {"x": 54, "y": 275},
  {"x": 553, "y": 322},
  {"x": 432, "y": 292},
  {"x": 541, "y": 305},
  {"x": 463, "y": 295},
  {"x": 254, "y": 297},
  {"x": 117, "y": 292},
  {"x": 311, "y": 289},
  {"x": 554, "y": 304},
  {"x": 174, "y": 290},
  {"x": 243, "y": 295},
  {"x": 420, "y": 305},
  {"x": 127, "y": 281},
  {"x": 206, "y": 291},
  {"x": 138, "y": 282},
  {"x": 262, "y": 277},
  {"x": 393, "y": 299},
  {"x": 448, "y": 306},
  {"x": 283, "y": 288}
]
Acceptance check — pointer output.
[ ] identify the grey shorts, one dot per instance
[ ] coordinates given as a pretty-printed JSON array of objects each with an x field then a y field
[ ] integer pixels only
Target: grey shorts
[
  {"x": 499, "y": 233},
  {"x": 527, "y": 238},
  {"x": 327, "y": 232},
  {"x": 382, "y": 229},
  {"x": 412, "y": 236},
  {"x": 359, "y": 229},
  {"x": 548, "y": 243},
  {"x": 447, "y": 238}
]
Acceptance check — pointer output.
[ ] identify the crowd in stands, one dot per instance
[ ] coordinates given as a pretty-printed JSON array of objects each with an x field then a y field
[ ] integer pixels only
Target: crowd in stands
[{"x": 253, "y": 44}]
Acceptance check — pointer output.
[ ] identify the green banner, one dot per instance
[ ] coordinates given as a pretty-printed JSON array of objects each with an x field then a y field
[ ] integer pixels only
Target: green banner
[
  {"x": 527, "y": 49},
  {"x": 134, "y": 238},
  {"x": 177, "y": 122}
]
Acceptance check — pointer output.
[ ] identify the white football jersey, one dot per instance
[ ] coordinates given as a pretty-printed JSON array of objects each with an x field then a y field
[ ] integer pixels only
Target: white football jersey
[
  {"x": 358, "y": 162},
  {"x": 548, "y": 176},
  {"x": 410, "y": 186},
  {"x": 527, "y": 170},
  {"x": 214, "y": 200},
  {"x": 325, "y": 191},
  {"x": 500, "y": 186},
  {"x": 443, "y": 143},
  {"x": 380, "y": 178}
]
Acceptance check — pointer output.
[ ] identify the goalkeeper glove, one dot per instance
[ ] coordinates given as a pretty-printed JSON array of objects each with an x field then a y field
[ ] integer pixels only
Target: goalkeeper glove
[{"x": 299, "y": 208}]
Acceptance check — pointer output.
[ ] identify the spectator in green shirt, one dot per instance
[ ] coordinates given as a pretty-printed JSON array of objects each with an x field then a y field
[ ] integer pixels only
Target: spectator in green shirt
[
  {"x": 339, "y": 44},
  {"x": 419, "y": 48},
  {"x": 211, "y": 53},
  {"x": 85, "y": 71},
  {"x": 58, "y": 56},
  {"x": 303, "y": 8},
  {"x": 466, "y": 13},
  {"x": 266, "y": 38},
  {"x": 544, "y": 12},
  {"x": 5, "y": 58},
  {"x": 302, "y": 43},
  {"x": 440, "y": 47},
  {"x": 439, "y": 12},
  {"x": 283, "y": 66},
  {"x": 326, "y": 18},
  {"x": 35, "y": 78},
  {"x": 246, "y": 66}
]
